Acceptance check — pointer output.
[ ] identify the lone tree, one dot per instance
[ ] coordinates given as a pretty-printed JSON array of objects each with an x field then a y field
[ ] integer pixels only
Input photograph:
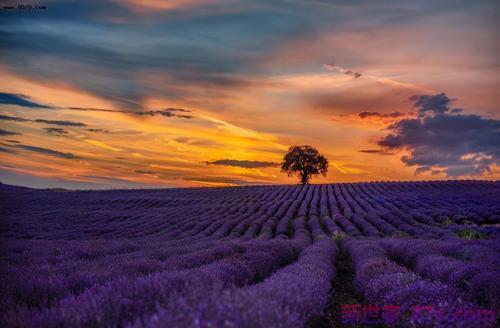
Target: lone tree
[{"x": 304, "y": 161}]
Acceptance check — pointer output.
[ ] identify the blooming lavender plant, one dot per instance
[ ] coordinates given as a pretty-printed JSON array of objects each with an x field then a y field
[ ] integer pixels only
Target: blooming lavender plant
[{"x": 248, "y": 257}]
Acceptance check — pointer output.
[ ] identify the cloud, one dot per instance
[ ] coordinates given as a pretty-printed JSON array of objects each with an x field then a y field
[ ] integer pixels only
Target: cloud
[
  {"x": 441, "y": 141},
  {"x": 19, "y": 100},
  {"x": 101, "y": 144},
  {"x": 433, "y": 104},
  {"x": 163, "y": 112},
  {"x": 121, "y": 68},
  {"x": 98, "y": 130},
  {"x": 363, "y": 115},
  {"x": 346, "y": 98},
  {"x": 167, "y": 112},
  {"x": 196, "y": 142},
  {"x": 172, "y": 109},
  {"x": 6, "y": 150},
  {"x": 13, "y": 118},
  {"x": 47, "y": 151},
  {"x": 91, "y": 56},
  {"x": 129, "y": 132},
  {"x": 56, "y": 131},
  {"x": 219, "y": 180},
  {"x": 39, "y": 120},
  {"x": 55, "y": 122},
  {"x": 375, "y": 151},
  {"x": 242, "y": 163},
  {"x": 7, "y": 133},
  {"x": 92, "y": 109},
  {"x": 145, "y": 172},
  {"x": 335, "y": 68}
]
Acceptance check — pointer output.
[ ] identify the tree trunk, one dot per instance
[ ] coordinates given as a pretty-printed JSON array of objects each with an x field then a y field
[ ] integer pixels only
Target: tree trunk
[{"x": 304, "y": 178}]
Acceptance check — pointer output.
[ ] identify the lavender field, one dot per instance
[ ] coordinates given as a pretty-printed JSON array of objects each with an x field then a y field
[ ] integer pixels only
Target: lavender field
[{"x": 402, "y": 254}]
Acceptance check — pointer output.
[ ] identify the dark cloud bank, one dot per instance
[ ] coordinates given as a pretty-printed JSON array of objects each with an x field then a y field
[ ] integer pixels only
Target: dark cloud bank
[
  {"x": 167, "y": 112},
  {"x": 7, "y": 133},
  {"x": 19, "y": 100},
  {"x": 23, "y": 101},
  {"x": 375, "y": 151},
  {"x": 47, "y": 151},
  {"x": 363, "y": 115},
  {"x": 441, "y": 140},
  {"x": 39, "y": 120},
  {"x": 58, "y": 131}
]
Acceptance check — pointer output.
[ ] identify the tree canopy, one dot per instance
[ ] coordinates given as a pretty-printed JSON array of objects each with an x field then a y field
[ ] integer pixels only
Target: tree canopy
[{"x": 305, "y": 162}]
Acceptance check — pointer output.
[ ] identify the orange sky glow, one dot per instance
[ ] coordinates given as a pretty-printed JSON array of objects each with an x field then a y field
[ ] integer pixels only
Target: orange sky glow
[{"x": 139, "y": 94}]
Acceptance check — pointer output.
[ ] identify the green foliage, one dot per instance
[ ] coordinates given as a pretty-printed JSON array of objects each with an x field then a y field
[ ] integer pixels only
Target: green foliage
[
  {"x": 304, "y": 161},
  {"x": 338, "y": 236},
  {"x": 448, "y": 222},
  {"x": 471, "y": 234}
]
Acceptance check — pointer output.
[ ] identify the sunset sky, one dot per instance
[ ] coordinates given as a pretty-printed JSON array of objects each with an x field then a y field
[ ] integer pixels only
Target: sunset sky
[{"x": 183, "y": 93}]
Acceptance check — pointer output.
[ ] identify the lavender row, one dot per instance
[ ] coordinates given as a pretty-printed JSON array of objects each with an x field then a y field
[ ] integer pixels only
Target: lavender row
[
  {"x": 82, "y": 300},
  {"x": 467, "y": 266},
  {"x": 382, "y": 281},
  {"x": 367, "y": 209},
  {"x": 291, "y": 297}
]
